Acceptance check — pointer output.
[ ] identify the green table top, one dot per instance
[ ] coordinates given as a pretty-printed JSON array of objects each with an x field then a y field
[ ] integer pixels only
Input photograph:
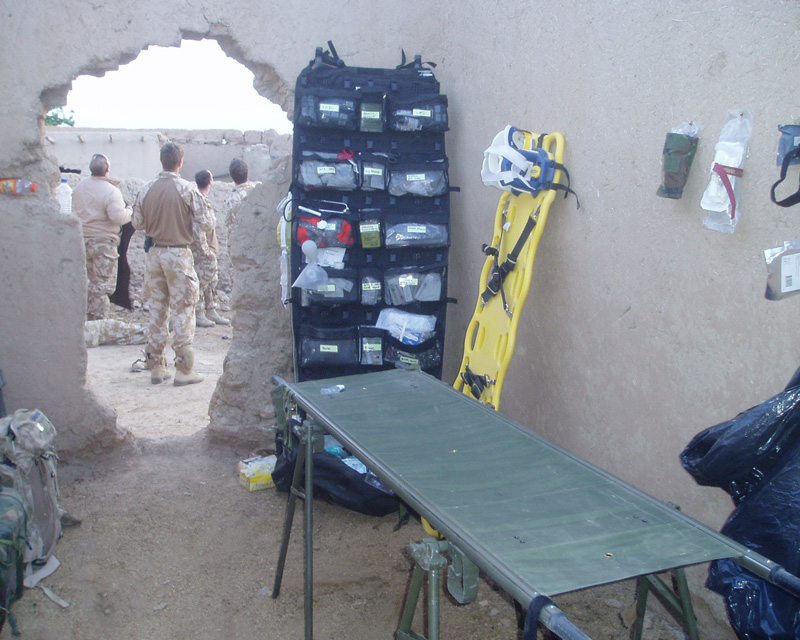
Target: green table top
[{"x": 536, "y": 518}]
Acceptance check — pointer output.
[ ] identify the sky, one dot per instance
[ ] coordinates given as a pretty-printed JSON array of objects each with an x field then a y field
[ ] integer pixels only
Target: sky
[{"x": 195, "y": 86}]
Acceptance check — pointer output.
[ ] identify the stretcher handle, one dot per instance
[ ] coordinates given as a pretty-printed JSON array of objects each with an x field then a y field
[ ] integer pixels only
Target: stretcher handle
[
  {"x": 556, "y": 620},
  {"x": 790, "y": 583}
]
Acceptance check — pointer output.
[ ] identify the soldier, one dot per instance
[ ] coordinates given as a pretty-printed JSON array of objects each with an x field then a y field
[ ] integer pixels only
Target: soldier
[
  {"x": 205, "y": 249},
  {"x": 238, "y": 171},
  {"x": 98, "y": 203},
  {"x": 167, "y": 209}
]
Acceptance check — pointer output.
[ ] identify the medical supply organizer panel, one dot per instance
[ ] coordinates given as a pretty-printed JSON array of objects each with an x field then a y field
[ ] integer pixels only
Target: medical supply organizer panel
[{"x": 370, "y": 219}]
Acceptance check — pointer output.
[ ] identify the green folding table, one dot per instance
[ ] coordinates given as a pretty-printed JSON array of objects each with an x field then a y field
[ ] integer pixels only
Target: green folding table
[{"x": 537, "y": 519}]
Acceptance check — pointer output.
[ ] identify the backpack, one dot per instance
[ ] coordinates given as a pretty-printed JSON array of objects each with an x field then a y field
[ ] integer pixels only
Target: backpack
[{"x": 28, "y": 465}]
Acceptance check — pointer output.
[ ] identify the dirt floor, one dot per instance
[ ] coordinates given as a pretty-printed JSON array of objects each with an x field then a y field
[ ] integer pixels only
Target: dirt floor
[{"x": 171, "y": 546}]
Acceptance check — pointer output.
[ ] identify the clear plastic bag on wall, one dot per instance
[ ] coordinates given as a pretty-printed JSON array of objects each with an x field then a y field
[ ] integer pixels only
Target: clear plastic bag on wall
[{"x": 722, "y": 197}]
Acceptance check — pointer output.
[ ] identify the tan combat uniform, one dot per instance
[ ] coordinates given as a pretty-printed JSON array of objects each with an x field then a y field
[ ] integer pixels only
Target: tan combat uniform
[
  {"x": 167, "y": 209},
  {"x": 234, "y": 201},
  {"x": 205, "y": 249},
  {"x": 102, "y": 211}
]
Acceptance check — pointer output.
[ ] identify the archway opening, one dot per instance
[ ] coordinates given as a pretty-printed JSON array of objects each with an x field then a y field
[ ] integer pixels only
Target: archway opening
[{"x": 200, "y": 97}]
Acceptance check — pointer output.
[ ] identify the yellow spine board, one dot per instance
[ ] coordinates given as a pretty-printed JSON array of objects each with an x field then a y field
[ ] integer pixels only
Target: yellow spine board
[{"x": 491, "y": 334}]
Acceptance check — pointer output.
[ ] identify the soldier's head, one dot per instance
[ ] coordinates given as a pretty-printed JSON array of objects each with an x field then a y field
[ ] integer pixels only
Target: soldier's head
[
  {"x": 238, "y": 171},
  {"x": 203, "y": 178},
  {"x": 99, "y": 165},
  {"x": 171, "y": 156}
]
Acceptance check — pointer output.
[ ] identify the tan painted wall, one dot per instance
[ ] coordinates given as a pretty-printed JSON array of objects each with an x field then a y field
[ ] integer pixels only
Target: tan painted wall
[{"x": 642, "y": 328}]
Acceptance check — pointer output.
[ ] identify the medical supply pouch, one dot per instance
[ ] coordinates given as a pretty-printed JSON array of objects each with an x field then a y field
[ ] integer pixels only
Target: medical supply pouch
[
  {"x": 418, "y": 112},
  {"x": 680, "y": 146},
  {"x": 372, "y": 113},
  {"x": 404, "y": 286},
  {"x": 332, "y": 231},
  {"x": 340, "y": 288},
  {"x": 426, "y": 355},
  {"x": 370, "y": 227},
  {"x": 372, "y": 169},
  {"x": 327, "y": 170},
  {"x": 417, "y": 230},
  {"x": 418, "y": 177},
  {"x": 327, "y": 109},
  {"x": 371, "y": 341},
  {"x": 371, "y": 287},
  {"x": 328, "y": 346}
]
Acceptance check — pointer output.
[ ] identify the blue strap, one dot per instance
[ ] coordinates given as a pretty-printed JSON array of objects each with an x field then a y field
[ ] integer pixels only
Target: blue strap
[{"x": 532, "y": 617}]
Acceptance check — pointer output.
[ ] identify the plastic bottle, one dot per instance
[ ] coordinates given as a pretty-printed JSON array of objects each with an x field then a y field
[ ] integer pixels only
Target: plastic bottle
[
  {"x": 64, "y": 197},
  {"x": 332, "y": 390},
  {"x": 16, "y": 186}
]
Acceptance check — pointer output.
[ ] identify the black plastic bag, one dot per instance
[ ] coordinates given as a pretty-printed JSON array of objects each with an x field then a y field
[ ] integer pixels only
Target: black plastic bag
[
  {"x": 737, "y": 455},
  {"x": 337, "y": 483},
  {"x": 756, "y": 458}
]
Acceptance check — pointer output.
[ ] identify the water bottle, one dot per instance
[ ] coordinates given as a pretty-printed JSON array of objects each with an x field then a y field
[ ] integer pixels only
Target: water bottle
[
  {"x": 15, "y": 186},
  {"x": 64, "y": 197}
]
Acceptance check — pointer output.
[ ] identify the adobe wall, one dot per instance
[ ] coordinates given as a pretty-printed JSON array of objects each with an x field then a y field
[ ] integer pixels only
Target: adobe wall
[
  {"x": 134, "y": 152},
  {"x": 641, "y": 329}
]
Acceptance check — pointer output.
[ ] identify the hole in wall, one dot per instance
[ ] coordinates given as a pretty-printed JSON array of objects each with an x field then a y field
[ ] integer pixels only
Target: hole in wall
[{"x": 205, "y": 100}]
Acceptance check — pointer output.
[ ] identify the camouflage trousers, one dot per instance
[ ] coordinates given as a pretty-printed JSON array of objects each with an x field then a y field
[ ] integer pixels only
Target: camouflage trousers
[
  {"x": 111, "y": 331},
  {"x": 101, "y": 270},
  {"x": 170, "y": 279},
  {"x": 205, "y": 265}
]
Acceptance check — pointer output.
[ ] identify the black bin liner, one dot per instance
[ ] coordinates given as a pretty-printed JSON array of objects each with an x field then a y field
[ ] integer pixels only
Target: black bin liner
[
  {"x": 337, "y": 483},
  {"x": 755, "y": 457}
]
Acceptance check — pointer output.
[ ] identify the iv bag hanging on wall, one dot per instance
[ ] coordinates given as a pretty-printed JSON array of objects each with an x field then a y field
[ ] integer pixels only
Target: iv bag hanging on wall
[{"x": 722, "y": 197}]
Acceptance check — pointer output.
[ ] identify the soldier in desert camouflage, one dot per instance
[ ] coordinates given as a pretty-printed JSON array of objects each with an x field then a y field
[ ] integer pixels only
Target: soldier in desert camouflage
[
  {"x": 98, "y": 203},
  {"x": 205, "y": 248},
  {"x": 238, "y": 171},
  {"x": 167, "y": 209}
]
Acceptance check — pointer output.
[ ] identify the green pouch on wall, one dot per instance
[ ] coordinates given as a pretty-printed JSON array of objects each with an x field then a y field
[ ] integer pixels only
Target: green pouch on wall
[{"x": 677, "y": 157}]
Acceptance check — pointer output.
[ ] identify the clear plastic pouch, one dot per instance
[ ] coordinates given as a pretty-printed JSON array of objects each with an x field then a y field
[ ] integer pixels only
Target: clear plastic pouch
[
  {"x": 371, "y": 289},
  {"x": 427, "y": 179},
  {"x": 418, "y": 113},
  {"x": 327, "y": 111},
  {"x": 426, "y": 355},
  {"x": 372, "y": 167},
  {"x": 371, "y": 342},
  {"x": 339, "y": 288},
  {"x": 407, "y": 286},
  {"x": 416, "y": 234},
  {"x": 322, "y": 170},
  {"x": 723, "y": 195}
]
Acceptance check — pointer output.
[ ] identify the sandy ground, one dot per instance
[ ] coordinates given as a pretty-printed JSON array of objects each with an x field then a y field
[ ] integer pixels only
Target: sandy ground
[{"x": 171, "y": 546}]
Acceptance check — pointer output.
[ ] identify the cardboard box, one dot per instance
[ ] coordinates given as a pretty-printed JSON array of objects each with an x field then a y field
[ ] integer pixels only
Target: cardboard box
[
  {"x": 256, "y": 473},
  {"x": 256, "y": 482}
]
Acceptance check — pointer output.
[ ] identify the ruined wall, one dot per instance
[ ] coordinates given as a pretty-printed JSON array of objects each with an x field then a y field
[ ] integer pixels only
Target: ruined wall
[
  {"x": 641, "y": 329},
  {"x": 134, "y": 152}
]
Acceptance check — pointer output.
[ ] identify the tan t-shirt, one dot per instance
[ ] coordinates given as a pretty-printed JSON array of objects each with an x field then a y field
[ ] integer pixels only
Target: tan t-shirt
[
  {"x": 99, "y": 205},
  {"x": 166, "y": 209}
]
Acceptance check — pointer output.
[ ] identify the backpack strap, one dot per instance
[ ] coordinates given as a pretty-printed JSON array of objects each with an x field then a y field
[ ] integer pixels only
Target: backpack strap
[{"x": 795, "y": 197}]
